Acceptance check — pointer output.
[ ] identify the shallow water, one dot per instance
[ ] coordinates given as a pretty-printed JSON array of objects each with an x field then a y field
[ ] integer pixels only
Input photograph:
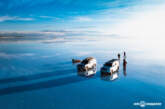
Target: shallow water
[{"x": 41, "y": 76}]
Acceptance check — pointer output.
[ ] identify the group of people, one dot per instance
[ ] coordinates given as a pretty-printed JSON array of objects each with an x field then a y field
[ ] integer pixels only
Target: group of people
[{"x": 124, "y": 63}]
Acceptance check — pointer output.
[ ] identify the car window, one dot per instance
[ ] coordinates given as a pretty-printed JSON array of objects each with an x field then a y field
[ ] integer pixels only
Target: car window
[
  {"x": 108, "y": 64},
  {"x": 85, "y": 62}
]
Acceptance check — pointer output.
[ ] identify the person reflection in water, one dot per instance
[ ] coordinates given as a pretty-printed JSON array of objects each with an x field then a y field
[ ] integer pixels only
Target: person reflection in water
[
  {"x": 124, "y": 64},
  {"x": 124, "y": 67}
]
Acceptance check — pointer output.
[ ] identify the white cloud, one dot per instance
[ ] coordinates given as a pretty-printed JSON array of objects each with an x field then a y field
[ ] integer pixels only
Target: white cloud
[
  {"x": 14, "y": 18},
  {"x": 31, "y": 33},
  {"x": 143, "y": 32},
  {"x": 144, "y": 25},
  {"x": 8, "y": 56},
  {"x": 83, "y": 19},
  {"x": 83, "y": 53},
  {"x": 48, "y": 17}
]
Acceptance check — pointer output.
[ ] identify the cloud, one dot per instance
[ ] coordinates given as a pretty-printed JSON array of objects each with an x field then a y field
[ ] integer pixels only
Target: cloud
[
  {"x": 49, "y": 17},
  {"x": 83, "y": 31},
  {"x": 83, "y": 19},
  {"x": 8, "y": 56},
  {"x": 48, "y": 35},
  {"x": 50, "y": 56},
  {"x": 83, "y": 53},
  {"x": 146, "y": 25},
  {"x": 7, "y": 34},
  {"x": 14, "y": 18}
]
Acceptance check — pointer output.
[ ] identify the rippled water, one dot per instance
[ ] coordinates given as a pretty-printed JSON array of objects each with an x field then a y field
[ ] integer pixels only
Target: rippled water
[{"x": 38, "y": 75}]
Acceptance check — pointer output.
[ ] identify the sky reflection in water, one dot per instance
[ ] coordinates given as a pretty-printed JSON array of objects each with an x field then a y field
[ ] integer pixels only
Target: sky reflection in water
[{"x": 41, "y": 75}]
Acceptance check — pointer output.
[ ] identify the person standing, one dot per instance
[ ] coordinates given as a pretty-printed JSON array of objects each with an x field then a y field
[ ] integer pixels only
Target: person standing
[
  {"x": 124, "y": 55},
  {"x": 118, "y": 56}
]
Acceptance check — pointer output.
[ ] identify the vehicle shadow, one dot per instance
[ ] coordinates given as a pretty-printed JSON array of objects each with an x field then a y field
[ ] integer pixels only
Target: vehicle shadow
[
  {"x": 42, "y": 85},
  {"x": 36, "y": 76},
  {"x": 70, "y": 79},
  {"x": 73, "y": 78}
]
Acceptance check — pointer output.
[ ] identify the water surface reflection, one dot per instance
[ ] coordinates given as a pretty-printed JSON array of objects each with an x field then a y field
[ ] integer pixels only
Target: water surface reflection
[{"x": 109, "y": 77}]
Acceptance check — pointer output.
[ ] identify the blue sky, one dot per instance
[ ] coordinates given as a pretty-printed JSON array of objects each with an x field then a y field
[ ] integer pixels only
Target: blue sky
[
  {"x": 40, "y": 15},
  {"x": 135, "y": 22}
]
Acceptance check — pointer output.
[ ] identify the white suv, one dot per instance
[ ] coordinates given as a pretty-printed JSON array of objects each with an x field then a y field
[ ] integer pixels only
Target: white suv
[
  {"x": 87, "y": 67},
  {"x": 111, "y": 66}
]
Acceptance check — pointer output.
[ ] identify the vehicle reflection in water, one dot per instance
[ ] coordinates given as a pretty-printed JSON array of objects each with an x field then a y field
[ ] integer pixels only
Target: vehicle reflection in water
[
  {"x": 109, "y": 77},
  {"x": 87, "y": 72}
]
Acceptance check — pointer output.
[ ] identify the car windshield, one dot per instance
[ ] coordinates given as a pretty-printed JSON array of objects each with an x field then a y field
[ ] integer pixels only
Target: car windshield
[
  {"x": 84, "y": 61},
  {"x": 108, "y": 64}
]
